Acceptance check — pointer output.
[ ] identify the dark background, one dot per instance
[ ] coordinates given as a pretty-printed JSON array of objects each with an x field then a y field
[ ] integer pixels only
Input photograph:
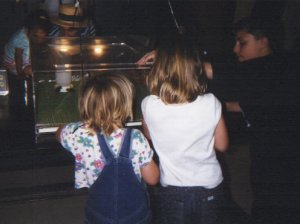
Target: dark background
[
  {"x": 31, "y": 174},
  {"x": 209, "y": 21}
]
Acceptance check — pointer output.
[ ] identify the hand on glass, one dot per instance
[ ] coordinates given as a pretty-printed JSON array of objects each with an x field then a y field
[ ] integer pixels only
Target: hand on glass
[{"x": 147, "y": 58}]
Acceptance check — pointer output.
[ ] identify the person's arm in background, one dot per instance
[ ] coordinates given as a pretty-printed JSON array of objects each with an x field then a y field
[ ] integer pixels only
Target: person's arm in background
[
  {"x": 207, "y": 67},
  {"x": 19, "y": 61},
  {"x": 221, "y": 136},
  {"x": 233, "y": 107},
  {"x": 147, "y": 58},
  {"x": 26, "y": 71}
]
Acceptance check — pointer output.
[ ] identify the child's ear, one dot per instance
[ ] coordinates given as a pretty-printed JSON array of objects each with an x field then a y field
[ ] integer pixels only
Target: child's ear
[{"x": 265, "y": 42}]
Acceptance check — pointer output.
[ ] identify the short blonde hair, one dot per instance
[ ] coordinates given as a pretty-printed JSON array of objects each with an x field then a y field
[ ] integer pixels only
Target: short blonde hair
[
  {"x": 176, "y": 75},
  {"x": 106, "y": 102}
]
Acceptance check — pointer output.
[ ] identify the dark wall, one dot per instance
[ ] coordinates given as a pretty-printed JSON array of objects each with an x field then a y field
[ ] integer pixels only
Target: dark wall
[{"x": 208, "y": 20}]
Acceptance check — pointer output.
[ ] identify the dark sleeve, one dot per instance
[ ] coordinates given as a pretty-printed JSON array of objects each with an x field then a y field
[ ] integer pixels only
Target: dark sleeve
[{"x": 224, "y": 84}]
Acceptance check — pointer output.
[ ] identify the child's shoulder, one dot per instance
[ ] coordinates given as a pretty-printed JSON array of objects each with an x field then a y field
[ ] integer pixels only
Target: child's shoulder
[
  {"x": 121, "y": 132},
  {"x": 75, "y": 124},
  {"x": 151, "y": 97},
  {"x": 19, "y": 37},
  {"x": 21, "y": 33},
  {"x": 137, "y": 135},
  {"x": 75, "y": 127},
  {"x": 210, "y": 97},
  {"x": 136, "y": 131}
]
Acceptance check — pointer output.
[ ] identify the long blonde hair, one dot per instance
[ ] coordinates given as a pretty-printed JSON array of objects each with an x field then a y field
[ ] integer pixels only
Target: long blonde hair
[
  {"x": 106, "y": 102},
  {"x": 176, "y": 75}
]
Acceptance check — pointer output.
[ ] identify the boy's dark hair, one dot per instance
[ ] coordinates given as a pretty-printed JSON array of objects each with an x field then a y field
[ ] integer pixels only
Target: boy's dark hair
[
  {"x": 259, "y": 28},
  {"x": 38, "y": 19}
]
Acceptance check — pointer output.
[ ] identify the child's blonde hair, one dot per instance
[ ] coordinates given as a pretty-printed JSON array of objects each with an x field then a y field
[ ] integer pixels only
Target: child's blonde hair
[
  {"x": 176, "y": 75},
  {"x": 106, "y": 102}
]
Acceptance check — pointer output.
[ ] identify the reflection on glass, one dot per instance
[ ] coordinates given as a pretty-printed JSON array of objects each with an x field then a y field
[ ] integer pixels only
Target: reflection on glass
[{"x": 63, "y": 78}]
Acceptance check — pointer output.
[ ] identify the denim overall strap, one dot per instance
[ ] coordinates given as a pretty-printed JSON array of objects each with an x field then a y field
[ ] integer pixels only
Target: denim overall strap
[
  {"x": 125, "y": 150},
  {"x": 106, "y": 151}
]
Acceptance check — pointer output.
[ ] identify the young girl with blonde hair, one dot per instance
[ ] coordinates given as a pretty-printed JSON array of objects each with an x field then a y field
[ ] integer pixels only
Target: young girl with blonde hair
[
  {"x": 111, "y": 160},
  {"x": 186, "y": 127}
]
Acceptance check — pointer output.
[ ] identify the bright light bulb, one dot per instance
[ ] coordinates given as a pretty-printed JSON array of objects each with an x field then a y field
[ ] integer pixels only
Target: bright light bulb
[
  {"x": 64, "y": 48},
  {"x": 98, "y": 50}
]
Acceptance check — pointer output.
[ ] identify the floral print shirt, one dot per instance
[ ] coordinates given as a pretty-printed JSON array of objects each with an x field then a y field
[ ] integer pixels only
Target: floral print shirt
[{"x": 89, "y": 160}]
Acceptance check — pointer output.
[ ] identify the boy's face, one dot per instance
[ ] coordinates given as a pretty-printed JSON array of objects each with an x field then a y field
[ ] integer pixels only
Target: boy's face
[
  {"x": 38, "y": 36},
  {"x": 249, "y": 47},
  {"x": 69, "y": 32}
]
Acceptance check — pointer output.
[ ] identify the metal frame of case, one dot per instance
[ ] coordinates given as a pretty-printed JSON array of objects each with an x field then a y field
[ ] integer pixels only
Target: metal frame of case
[{"x": 4, "y": 90}]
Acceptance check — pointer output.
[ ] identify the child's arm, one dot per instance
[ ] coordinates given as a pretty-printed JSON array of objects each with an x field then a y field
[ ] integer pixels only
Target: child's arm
[
  {"x": 145, "y": 130},
  {"x": 147, "y": 58},
  {"x": 207, "y": 67},
  {"x": 23, "y": 72},
  {"x": 57, "y": 134},
  {"x": 19, "y": 60},
  {"x": 150, "y": 173},
  {"x": 221, "y": 136},
  {"x": 233, "y": 107},
  {"x": 27, "y": 71}
]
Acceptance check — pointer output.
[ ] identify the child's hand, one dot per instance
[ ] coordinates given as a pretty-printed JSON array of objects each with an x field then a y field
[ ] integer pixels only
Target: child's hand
[
  {"x": 147, "y": 58},
  {"x": 27, "y": 71}
]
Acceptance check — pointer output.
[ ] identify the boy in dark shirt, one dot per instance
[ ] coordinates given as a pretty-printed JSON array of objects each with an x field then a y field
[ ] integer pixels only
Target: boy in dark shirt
[{"x": 264, "y": 86}]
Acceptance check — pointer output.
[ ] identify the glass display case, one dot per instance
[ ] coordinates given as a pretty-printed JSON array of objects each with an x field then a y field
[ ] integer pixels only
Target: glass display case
[
  {"x": 61, "y": 65},
  {"x": 3, "y": 83}
]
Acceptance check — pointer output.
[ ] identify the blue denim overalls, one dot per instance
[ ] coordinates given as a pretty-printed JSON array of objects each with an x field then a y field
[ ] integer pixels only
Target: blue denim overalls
[{"x": 117, "y": 196}]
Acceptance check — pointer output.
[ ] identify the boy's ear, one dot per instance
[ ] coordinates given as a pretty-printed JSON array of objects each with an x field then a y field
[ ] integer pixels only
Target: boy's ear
[{"x": 265, "y": 42}]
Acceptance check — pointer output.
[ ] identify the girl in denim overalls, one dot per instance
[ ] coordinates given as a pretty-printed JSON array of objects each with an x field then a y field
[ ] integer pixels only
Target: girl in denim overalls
[
  {"x": 111, "y": 160},
  {"x": 186, "y": 127}
]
